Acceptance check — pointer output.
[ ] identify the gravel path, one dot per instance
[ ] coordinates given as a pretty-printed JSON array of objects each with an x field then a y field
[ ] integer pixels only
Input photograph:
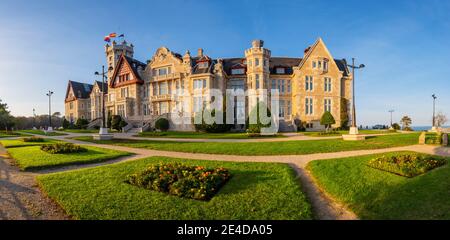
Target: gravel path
[{"x": 21, "y": 199}]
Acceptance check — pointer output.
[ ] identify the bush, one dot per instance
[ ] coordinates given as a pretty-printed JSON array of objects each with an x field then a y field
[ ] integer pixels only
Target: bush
[
  {"x": 122, "y": 124},
  {"x": 407, "y": 165},
  {"x": 81, "y": 123},
  {"x": 65, "y": 123},
  {"x": 33, "y": 139},
  {"x": 115, "y": 122},
  {"x": 300, "y": 125},
  {"x": 255, "y": 128},
  {"x": 396, "y": 126},
  {"x": 162, "y": 124},
  {"x": 194, "y": 182},
  {"x": 59, "y": 148},
  {"x": 332, "y": 132},
  {"x": 214, "y": 127},
  {"x": 327, "y": 120}
]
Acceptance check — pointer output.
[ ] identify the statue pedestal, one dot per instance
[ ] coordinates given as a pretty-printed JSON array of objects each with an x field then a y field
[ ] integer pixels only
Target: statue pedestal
[
  {"x": 103, "y": 135},
  {"x": 353, "y": 135}
]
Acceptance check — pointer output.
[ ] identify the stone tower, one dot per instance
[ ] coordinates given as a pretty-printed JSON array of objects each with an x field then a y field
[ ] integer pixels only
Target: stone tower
[
  {"x": 113, "y": 53},
  {"x": 257, "y": 58}
]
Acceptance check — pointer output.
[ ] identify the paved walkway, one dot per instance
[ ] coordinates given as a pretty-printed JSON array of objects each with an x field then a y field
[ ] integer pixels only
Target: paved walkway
[{"x": 323, "y": 205}]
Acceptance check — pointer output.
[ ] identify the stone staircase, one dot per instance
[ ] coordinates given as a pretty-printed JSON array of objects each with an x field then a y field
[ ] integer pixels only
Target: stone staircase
[
  {"x": 286, "y": 126},
  {"x": 94, "y": 123}
]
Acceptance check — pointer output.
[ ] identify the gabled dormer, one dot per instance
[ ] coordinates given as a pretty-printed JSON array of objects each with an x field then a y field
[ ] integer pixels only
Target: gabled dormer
[
  {"x": 77, "y": 90},
  {"x": 126, "y": 72}
]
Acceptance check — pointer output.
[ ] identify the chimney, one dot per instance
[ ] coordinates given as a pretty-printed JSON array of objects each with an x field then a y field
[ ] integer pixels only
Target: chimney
[
  {"x": 307, "y": 50},
  {"x": 200, "y": 52}
]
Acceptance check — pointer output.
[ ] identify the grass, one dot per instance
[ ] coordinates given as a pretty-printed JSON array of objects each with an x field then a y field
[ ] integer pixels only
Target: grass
[
  {"x": 200, "y": 135},
  {"x": 4, "y": 134},
  {"x": 341, "y": 132},
  {"x": 19, "y": 143},
  {"x": 40, "y": 132},
  {"x": 268, "y": 148},
  {"x": 33, "y": 158},
  {"x": 376, "y": 194},
  {"x": 255, "y": 191}
]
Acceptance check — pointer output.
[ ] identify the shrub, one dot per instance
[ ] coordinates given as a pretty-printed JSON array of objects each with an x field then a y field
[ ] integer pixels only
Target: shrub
[
  {"x": 115, "y": 122},
  {"x": 65, "y": 123},
  {"x": 396, "y": 126},
  {"x": 162, "y": 124},
  {"x": 58, "y": 148},
  {"x": 194, "y": 182},
  {"x": 122, "y": 124},
  {"x": 214, "y": 127},
  {"x": 433, "y": 138},
  {"x": 327, "y": 120},
  {"x": 332, "y": 132},
  {"x": 255, "y": 128},
  {"x": 33, "y": 139},
  {"x": 81, "y": 123},
  {"x": 407, "y": 165}
]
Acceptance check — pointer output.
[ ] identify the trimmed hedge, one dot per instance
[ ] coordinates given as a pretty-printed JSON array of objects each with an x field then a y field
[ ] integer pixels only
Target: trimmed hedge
[
  {"x": 407, "y": 165},
  {"x": 162, "y": 124},
  {"x": 33, "y": 139},
  {"x": 60, "y": 148},
  {"x": 194, "y": 182}
]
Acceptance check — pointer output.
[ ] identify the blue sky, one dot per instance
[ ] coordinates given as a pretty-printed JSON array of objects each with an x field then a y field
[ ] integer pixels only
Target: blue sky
[{"x": 404, "y": 44}]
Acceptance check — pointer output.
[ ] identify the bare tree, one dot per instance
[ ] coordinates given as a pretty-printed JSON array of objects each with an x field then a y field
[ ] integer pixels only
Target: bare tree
[{"x": 440, "y": 119}]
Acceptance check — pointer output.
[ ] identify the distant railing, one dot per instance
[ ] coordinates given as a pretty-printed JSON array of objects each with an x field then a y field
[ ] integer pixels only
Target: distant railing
[{"x": 166, "y": 77}]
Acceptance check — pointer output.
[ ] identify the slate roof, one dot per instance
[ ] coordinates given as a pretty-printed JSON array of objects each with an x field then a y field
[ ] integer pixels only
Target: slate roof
[
  {"x": 80, "y": 90},
  {"x": 105, "y": 86},
  {"x": 135, "y": 64}
]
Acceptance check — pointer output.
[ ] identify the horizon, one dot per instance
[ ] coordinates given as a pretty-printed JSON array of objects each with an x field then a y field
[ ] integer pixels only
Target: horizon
[{"x": 47, "y": 46}]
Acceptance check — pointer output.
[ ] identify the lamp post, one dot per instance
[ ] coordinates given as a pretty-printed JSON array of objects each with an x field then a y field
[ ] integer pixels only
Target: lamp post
[
  {"x": 103, "y": 128},
  {"x": 391, "y": 111},
  {"x": 434, "y": 112},
  {"x": 49, "y": 94},
  {"x": 354, "y": 128}
]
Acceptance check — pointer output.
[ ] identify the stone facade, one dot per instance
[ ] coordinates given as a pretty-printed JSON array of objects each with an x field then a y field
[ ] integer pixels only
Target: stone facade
[{"x": 309, "y": 85}]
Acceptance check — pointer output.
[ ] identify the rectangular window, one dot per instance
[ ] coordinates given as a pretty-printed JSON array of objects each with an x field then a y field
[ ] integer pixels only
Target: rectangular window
[
  {"x": 282, "y": 112},
  {"x": 121, "y": 110},
  {"x": 327, "y": 105},
  {"x": 327, "y": 84},
  {"x": 309, "y": 106},
  {"x": 164, "y": 107},
  {"x": 325, "y": 65},
  {"x": 274, "y": 84},
  {"x": 71, "y": 105},
  {"x": 280, "y": 71},
  {"x": 314, "y": 64},
  {"x": 256, "y": 62},
  {"x": 162, "y": 88},
  {"x": 309, "y": 84},
  {"x": 319, "y": 64},
  {"x": 288, "y": 86},
  {"x": 162, "y": 71},
  {"x": 289, "y": 108},
  {"x": 283, "y": 82},
  {"x": 198, "y": 104},
  {"x": 237, "y": 71},
  {"x": 124, "y": 92},
  {"x": 257, "y": 81}
]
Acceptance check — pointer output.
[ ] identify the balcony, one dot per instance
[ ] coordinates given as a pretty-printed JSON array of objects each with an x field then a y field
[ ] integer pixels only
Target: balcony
[
  {"x": 159, "y": 98},
  {"x": 166, "y": 77}
]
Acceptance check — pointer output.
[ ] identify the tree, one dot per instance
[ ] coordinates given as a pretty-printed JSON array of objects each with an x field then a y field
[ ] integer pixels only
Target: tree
[
  {"x": 6, "y": 120},
  {"x": 115, "y": 122},
  {"x": 396, "y": 126},
  {"x": 65, "y": 123},
  {"x": 327, "y": 120},
  {"x": 81, "y": 123},
  {"x": 344, "y": 114},
  {"x": 440, "y": 119},
  {"x": 406, "y": 122}
]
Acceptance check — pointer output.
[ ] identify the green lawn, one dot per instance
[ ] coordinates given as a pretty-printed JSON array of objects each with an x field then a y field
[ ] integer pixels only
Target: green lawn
[
  {"x": 268, "y": 148},
  {"x": 4, "y": 134},
  {"x": 83, "y": 130},
  {"x": 339, "y": 133},
  {"x": 255, "y": 191},
  {"x": 40, "y": 132},
  {"x": 33, "y": 158},
  {"x": 200, "y": 135},
  {"x": 376, "y": 194},
  {"x": 20, "y": 143}
]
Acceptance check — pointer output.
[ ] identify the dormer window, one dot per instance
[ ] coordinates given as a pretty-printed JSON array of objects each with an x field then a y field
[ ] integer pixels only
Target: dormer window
[
  {"x": 280, "y": 70},
  {"x": 314, "y": 64},
  {"x": 202, "y": 64},
  {"x": 237, "y": 71}
]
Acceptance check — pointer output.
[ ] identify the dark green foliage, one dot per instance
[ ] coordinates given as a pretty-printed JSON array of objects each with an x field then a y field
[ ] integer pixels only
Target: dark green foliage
[
  {"x": 65, "y": 123},
  {"x": 162, "y": 124},
  {"x": 81, "y": 123},
  {"x": 115, "y": 122},
  {"x": 108, "y": 121},
  {"x": 255, "y": 128},
  {"x": 33, "y": 139},
  {"x": 300, "y": 125},
  {"x": 344, "y": 114},
  {"x": 194, "y": 182},
  {"x": 327, "y": 120},
  {"x": 433, "y": 138},
  {"x": 214, "y": 127},
  {"x": 407, "y": 165},
  {"x": 396, "y": 126},
  {"x": 60, "y": 148},
  {"x": 122, "y": 124}
]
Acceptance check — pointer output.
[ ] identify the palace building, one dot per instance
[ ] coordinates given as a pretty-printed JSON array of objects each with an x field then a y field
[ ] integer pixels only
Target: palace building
[{"x": 141, "y": 92}]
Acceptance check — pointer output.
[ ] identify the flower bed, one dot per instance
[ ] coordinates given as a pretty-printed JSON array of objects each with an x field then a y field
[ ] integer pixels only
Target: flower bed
[
  {"x": 59, "y": 148},
  {"x": 194, "y": 182},
  {"x": 33, "y": 139},
  {"x": 407, "y": 165}
]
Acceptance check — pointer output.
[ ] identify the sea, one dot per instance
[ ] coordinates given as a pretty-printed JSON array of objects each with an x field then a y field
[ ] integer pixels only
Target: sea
[{"x": 424, "y": 128}]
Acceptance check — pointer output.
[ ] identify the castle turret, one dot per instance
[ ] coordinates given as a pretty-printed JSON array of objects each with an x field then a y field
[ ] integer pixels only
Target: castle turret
[
  {"x": 258, "y": 73},
  {"x": 114, "y": 51}
]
